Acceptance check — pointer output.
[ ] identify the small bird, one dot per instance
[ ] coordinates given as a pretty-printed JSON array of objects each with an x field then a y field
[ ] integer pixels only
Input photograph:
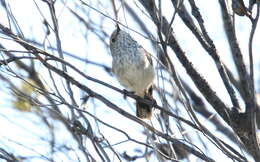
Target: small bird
[{"x": 133, "y": 68}]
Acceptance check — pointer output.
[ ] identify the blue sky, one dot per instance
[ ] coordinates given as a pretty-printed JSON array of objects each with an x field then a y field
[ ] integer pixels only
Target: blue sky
[{"x": 27, "y": 127}]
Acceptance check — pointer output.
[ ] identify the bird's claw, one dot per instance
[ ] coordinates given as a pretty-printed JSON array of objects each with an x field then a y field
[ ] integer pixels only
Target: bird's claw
[
  {"x": 150, "y": 98},
  {"x": 126, "y": 92},
  {"x": 154, "y": 103}
]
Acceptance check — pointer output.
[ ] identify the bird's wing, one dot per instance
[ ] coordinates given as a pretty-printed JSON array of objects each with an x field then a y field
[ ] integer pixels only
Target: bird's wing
[{"x": 149, "y": 57}]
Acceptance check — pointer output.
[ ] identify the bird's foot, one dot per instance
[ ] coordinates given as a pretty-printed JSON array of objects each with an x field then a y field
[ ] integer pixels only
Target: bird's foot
[
  {"x": 154, "y": 103},
  {"x": 126, "y": 92}
]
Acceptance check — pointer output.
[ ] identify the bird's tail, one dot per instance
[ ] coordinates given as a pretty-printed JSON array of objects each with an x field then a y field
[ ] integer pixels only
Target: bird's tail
[{"x": 143, "y": 110}]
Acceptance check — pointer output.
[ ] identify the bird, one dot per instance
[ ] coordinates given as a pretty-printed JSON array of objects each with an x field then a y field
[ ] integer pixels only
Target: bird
[{"x": 133, "y": 68}]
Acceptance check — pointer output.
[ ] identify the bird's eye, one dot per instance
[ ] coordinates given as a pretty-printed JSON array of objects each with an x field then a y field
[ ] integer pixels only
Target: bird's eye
[{"x": 113, "y": 40}]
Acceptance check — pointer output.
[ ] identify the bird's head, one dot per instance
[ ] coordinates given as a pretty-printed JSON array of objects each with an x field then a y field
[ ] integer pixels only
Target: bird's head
[{"x": 121, "y": 41}]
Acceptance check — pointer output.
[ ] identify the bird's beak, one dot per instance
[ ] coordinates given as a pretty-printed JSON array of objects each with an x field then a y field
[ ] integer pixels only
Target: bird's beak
[{"x": 117, "y": 28}]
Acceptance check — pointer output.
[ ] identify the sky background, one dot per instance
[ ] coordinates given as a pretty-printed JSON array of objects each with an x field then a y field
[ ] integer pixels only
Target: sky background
[{"x": 24, "y": 132}]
